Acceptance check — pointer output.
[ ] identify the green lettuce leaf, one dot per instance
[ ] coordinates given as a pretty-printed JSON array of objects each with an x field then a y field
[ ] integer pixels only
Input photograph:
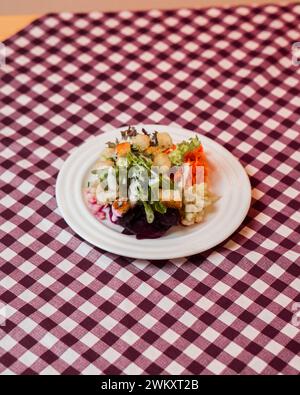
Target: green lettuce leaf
[{"x": 149, "y": 212}]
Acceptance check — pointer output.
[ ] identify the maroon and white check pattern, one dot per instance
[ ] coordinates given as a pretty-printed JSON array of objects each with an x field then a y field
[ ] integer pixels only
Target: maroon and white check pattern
[{"x": 73, "y": 308}]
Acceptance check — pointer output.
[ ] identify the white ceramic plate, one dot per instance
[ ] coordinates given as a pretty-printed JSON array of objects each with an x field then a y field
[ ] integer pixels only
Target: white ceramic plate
[{"x": 228, "y": 180}]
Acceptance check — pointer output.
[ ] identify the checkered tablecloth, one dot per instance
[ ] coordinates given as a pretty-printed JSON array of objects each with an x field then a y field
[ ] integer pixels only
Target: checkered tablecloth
[{"x": 71, "y": 308}]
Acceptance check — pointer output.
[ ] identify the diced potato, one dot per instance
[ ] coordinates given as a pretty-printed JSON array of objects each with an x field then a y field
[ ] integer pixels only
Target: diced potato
[
  {"x": 141, "y": 141},
  {"x": 196, "y": 199},
  {"x": 164, "y": 140},
  {"x": 162, "y": 160}
]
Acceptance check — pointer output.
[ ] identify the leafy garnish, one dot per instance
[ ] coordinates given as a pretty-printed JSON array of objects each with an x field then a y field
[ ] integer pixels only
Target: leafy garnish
[
  {"x": 154, "y": 140},
  {"x": 129, "y": 132},
  {"x": 177, "y": 156},
  {"x": 140, "y": 160},
  {"x": 110, "y": 144},
  {"x": 166, "y": 182},
  {"x": 149, "y": 212},
  {"x": 160, "y": 207}
]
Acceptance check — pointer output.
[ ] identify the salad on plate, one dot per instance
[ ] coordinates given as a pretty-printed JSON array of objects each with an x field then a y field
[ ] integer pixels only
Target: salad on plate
[{"x": 147, "y": 184}]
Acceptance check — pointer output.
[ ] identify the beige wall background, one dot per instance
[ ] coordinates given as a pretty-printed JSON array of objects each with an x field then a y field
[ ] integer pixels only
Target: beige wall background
[
  {"x": 16, "y": 14},
  {"x": 22, "y": 7}
]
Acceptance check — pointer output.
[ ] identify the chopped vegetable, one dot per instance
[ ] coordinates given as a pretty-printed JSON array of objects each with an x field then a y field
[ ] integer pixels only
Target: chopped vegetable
[
  {"x": 170, "y": 149},
  {"x": 149, "y": 213},
  {"x": 110, "y": 144},
  {"x": 177, "y": 156},
  {"x": 160, "y": 207},
  {"x": 141, "y": 142},
  {"x": 154, "y": 140},
  {"x": 162, "y": 160},
  {"x": 164, "y": 140},
  {"x": 123, "y": 149},
  {"x": 129, "y": 132},
  {"x": 196, "y": 159}
]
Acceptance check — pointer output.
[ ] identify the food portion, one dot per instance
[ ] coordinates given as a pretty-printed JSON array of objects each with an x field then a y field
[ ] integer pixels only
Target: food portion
[{"x": 146, "y": 183}]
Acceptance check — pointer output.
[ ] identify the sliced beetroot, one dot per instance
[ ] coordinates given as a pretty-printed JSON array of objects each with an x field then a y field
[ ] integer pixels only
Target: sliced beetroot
[{"x": 135, "y": 222}]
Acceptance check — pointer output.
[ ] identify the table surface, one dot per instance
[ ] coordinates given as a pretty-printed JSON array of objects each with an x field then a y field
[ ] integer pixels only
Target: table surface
[{"x": 73, "y": 308}]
